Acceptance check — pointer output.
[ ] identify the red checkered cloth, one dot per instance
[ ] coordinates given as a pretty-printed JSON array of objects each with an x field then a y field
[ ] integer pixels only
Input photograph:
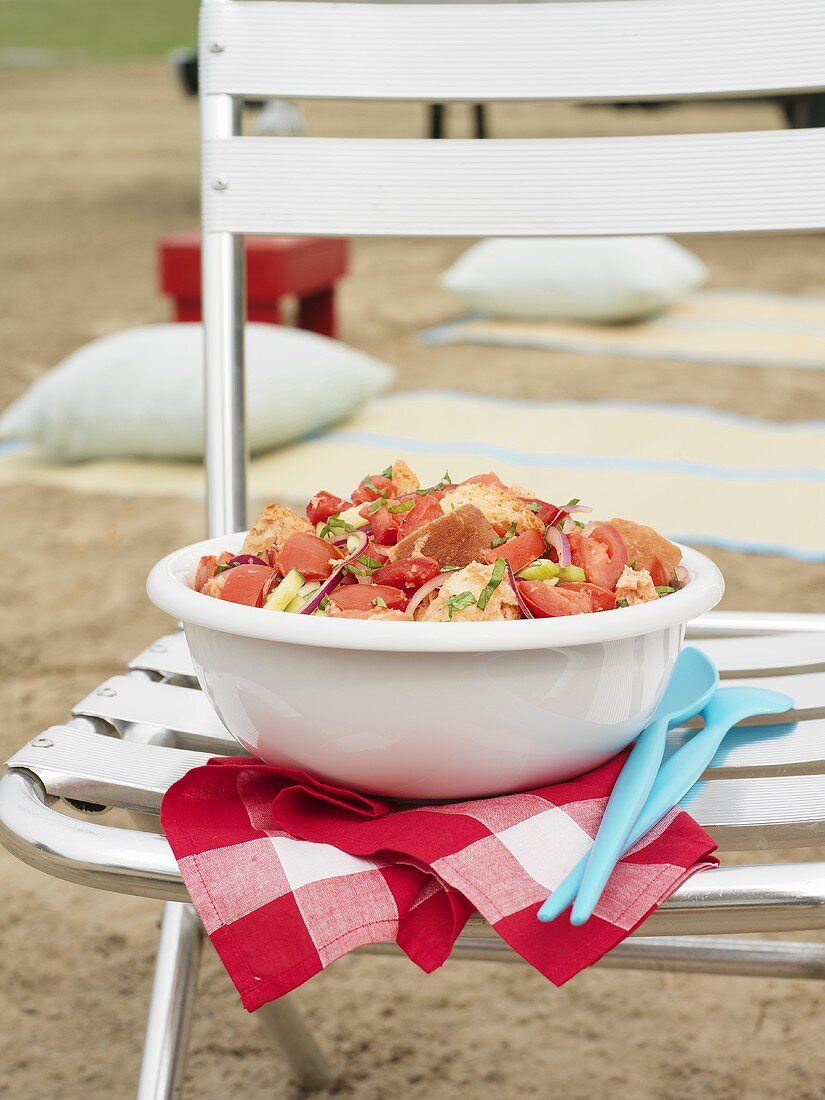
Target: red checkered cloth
[{"x": 288, "y": 873}]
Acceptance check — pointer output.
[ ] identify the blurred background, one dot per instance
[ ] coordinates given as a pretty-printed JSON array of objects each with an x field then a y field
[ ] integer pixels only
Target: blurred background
[{"x": 98, "y": 157}]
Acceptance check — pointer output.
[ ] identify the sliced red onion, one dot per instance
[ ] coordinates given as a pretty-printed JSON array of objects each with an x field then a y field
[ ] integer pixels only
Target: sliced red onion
[
  {"x": 560, "y": 543},
  {"x": 589, "y": 528},
  {"x": 568, "y": 510},
  {"x": 682, "y": 576},
  {"x": 334, "y": 579},
  {"x": 424, "y": 591},
  {"x": 522, "y": 606},
  {"x": 247, "y": 559}
]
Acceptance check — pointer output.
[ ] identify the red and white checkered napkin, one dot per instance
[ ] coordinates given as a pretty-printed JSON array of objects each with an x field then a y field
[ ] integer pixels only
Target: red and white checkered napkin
[{"x": 288, "y": 873}]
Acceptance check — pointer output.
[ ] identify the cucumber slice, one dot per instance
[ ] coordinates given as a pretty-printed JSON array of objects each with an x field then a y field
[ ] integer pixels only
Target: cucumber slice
[
  {"x": 541, "y": 570},
  {"x": 286, "y": 591},
  {"x": 303, "y": 597},
  {"x": 353, "y": 517},
  {"x": 572, "y": 574},
  {"x": 544, "y": 570}
]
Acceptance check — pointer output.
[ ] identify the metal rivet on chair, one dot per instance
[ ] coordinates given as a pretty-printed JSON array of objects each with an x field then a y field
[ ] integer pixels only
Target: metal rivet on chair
[
  {"x": 220, "y": 184},
  {"x": 108, "y": 692},
  {"x": 43, "y": 743},
  {"x": 216, "y": 47}
]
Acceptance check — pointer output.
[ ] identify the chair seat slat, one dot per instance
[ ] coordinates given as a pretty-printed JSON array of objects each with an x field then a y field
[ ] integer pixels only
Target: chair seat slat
[
  {"x": 187, "y": 712},
  {"x": 127, "y": 699},
  {"x": 765, "y": 655},
  {"x": 758, "y": 181},
  {"x": 737, "y": 624},
  {"x": 169, "y": 655},
  {"x": 789, "y": 749},
  {"x": 627, "y": 49},
  {"x": 741, "y": 814}
]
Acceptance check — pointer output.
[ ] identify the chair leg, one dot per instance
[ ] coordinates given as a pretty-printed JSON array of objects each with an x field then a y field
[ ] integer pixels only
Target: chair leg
[
  {"x": 170, "y": 1007},
  {"x": 316, "y": 312},
  {"x": 285, "y": 1023},
  {"x": 480, "y": 118},
  {"x": 437, "y": 112}
]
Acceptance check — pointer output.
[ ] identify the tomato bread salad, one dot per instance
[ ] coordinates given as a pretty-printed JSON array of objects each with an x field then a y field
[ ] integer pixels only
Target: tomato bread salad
[{"x": 470, "y": 551}]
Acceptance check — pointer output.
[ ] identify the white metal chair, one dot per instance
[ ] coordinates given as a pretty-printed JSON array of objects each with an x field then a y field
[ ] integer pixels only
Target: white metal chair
[{"x": 136, "y": 733}]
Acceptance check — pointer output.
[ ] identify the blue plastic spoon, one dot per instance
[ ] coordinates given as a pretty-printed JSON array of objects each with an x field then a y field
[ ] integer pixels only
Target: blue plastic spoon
[
  {"x": 693, "y": 682},
  {"x": 727, "y": 708}
]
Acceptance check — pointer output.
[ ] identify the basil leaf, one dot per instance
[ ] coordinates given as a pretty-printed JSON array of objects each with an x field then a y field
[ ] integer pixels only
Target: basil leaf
[
  {"x": 508, "y": 534},
  {"x": 459, "y": 602},
  {"x": 622, "y": 603},
  {"x": 664, "y": 589},
  {"x": 495, "y": 580},
  {"x": 379, "y": 601}
]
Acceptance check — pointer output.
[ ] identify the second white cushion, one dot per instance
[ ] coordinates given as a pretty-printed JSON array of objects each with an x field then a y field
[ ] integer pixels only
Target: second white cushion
[{"x": 574, "y": 278}]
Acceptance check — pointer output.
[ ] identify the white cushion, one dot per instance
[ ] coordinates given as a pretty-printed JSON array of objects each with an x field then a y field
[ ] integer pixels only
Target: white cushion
[
  {"x": 140, "y": 392},
  {"x": 574, "y": 278}
]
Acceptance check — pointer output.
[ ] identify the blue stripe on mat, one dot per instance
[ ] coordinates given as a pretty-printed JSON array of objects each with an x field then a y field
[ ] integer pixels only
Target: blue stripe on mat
[
  {"x": 11, "y": 446},
  {"x": 450, "y": 332}
]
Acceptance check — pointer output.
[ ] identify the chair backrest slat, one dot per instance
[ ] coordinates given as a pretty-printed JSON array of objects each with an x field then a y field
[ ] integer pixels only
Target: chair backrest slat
[
  {"x": 694, "y": 183},
  {"x": 634, "y": 49}
]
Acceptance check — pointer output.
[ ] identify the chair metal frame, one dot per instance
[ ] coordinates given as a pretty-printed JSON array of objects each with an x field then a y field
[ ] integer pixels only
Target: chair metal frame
[{"x": 131, "y": 737}]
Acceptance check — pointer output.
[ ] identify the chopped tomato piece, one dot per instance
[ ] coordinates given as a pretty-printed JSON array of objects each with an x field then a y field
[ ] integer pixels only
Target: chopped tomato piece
[
  {"x": 365, "y": 597},
  {"x": 208, "y": 567},
  {"x": 656, "y": 570},
  {"x": 381, "y": 487},
  {"x": 376, "y": 551},
  {"x": 408, "y": 574},
  {"x": 313, "y": 557},
  {"x": 323, "y": 505},
  {"x": 546, "y": 512},
  {"x": 602, "y": 554},
  {"x": 385, "y": 524},
  {"x": 485, "y": 479},
  {"x": 245, "y": 584},
  {"x": 425, "y": 510},
  {"x": 548, "y": 601},
  {"x": 519, "y": 551},
  {"x": 600, "y": 598}
]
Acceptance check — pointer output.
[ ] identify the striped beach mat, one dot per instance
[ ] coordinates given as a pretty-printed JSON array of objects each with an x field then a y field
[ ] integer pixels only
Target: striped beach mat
[
  {"x": 750, "y": 328},
  {"x": 699, "y": 475}
]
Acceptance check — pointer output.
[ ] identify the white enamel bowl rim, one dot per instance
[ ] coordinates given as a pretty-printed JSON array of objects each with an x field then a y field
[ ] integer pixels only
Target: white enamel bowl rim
[{"x": 168, "y": 588}]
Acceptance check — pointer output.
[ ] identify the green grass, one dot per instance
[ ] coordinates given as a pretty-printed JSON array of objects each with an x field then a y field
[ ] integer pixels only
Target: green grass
[{"x": 92, "y": 29}]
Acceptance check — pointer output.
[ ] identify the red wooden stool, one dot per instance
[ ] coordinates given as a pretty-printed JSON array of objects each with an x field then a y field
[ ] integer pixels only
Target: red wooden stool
[{"x": 306, "y": 267}]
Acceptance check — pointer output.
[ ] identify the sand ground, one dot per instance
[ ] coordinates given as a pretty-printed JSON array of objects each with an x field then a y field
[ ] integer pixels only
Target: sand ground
[{"x": 96, "y": 163}]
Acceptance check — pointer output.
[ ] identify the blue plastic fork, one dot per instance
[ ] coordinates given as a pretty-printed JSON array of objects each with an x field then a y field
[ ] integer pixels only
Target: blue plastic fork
[{"x": 727, "y": 708}]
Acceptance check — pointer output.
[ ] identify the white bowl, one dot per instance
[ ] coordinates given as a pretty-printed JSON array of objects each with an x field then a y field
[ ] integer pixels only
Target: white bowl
[{"x": 431, "y": 710}]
